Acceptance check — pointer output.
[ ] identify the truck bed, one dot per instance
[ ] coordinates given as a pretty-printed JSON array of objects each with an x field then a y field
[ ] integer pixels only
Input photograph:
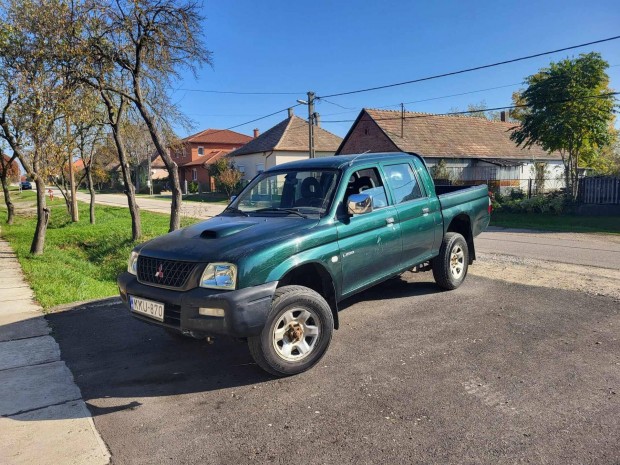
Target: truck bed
[{"x": 472, "y": 200}]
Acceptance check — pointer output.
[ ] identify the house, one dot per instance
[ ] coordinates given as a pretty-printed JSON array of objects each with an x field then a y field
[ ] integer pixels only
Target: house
[
  {"x": 286, "y": 141},
  {"x": 473, "y": 149},
  {"x": 195, "y": 153},
  {"x": 12, "y": 169}
]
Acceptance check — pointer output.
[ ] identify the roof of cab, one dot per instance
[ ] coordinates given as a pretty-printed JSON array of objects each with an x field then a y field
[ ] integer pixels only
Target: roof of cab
[{"x": 337, "y": 162}]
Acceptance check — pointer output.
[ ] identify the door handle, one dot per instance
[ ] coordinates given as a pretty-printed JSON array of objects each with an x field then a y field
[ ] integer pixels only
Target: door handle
[
  {"x": 425, "y": 211},
  {"x": 389, "y": 221}
]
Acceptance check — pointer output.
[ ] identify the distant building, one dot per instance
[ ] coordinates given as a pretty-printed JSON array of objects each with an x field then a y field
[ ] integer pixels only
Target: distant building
[
  {"x": 196, "y": 152},
  {"x": 13, "y": 173},
  {"x": 473, "y": 149},
  {"x": 286, "y": 141}
]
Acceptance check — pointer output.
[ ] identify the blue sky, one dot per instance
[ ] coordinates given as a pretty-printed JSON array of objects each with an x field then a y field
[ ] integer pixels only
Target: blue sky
[{"x": 329, "y": 47}]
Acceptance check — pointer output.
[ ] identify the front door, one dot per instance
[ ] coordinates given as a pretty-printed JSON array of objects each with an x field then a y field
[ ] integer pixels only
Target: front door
[{"x": 370, "y": 244}]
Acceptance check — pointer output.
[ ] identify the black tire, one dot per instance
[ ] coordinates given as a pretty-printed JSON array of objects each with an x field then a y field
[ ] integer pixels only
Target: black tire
[
  {"x": 293, "y": 300},
  {"x": 445, "y": 275}
]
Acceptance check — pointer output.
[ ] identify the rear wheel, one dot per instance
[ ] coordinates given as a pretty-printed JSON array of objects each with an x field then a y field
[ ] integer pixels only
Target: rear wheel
[
  {"x": 450, "y": 266},
  {"x": 297, "y": 333}
]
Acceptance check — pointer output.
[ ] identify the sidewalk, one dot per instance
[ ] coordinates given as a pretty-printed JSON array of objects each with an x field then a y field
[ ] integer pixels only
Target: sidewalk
[
  {"x": 43, "y": 418},
  {"x": 201, "y": 210}
]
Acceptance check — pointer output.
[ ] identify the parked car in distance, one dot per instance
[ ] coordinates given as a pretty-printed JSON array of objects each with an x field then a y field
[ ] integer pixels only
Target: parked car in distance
[
  {"x": 300, "y": 238},
  {"x": 25, "y": 185}
]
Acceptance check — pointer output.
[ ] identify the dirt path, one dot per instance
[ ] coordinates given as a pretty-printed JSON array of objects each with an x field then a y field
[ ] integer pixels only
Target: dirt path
[{"x": 589, "y": 279}]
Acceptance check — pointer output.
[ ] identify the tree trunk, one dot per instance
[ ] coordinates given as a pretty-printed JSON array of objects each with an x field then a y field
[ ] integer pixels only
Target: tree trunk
[
  {"x": 10, "y": 208},
  {"x": 115, "y": 116},
  {"x": 171, "y": 166},
  {"x": 130, "y": 192},
  {"x": 43, "y": 216},
  {"x": 91, "y": 190}
]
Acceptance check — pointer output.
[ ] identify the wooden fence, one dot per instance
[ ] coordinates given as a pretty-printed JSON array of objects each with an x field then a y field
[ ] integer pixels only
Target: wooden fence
[{"x": 600, "y": 190}]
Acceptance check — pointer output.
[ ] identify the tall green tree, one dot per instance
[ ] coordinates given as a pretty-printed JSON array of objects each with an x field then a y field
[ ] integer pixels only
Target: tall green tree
[{"x": 569, "y": 110}]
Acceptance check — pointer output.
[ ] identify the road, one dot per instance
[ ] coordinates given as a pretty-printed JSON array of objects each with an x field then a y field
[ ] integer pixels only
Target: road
[
  {"x": 599, "y": 250},
  {"x": 492, "y": 373}
]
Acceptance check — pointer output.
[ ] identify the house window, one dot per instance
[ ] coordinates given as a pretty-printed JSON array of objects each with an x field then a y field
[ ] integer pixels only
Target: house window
[
  {"x": 194, "y": 174},
  {"x": 260, "y": 167},
  {"x": 241, "y": 169},
  {"x": 201, "y": 151}
]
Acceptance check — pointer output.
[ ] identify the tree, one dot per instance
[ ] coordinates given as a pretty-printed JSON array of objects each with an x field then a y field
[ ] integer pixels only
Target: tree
[
  {"x": 149, "y": 42},
  {"x": 8, "y": 171},
  {"x": 229, "y": 179},
  {"x": 33, "y": 92},
  {"x": 569, "y": 110},
  {"x": 478, "y": 110}
]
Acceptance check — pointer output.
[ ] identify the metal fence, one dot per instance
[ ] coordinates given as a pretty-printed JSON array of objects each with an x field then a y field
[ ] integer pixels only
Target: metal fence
[
  {"x": 527, "y": 186},
  {"x": 601, "y": 190}
]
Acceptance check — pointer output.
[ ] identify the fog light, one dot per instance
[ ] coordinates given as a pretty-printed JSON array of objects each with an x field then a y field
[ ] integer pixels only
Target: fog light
[{"x": 211, "y": 311}]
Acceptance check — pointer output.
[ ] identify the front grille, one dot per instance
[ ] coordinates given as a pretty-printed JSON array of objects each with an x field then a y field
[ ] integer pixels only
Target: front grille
[
  {"x": 172, "y": 314},
  {"x": 167, "y": 273}
]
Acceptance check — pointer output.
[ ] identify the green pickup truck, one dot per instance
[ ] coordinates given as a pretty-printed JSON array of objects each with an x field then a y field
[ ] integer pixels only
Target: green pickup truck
[{"x": 300, "y": 238}]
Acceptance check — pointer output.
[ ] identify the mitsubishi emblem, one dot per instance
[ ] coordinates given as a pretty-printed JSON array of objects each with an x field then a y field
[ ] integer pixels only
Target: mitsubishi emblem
[{"x": 160, "y": 272}]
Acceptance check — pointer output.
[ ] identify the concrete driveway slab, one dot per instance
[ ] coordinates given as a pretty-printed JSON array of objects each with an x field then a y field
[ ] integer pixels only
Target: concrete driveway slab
[
  {"x": 61, "y": 434},
  {"x": 29, "y": 351}
]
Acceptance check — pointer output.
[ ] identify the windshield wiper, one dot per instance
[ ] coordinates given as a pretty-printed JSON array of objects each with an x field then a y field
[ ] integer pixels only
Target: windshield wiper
[
  {"x": 292, "y": 211},
  {"x": 235, "y": 210}
]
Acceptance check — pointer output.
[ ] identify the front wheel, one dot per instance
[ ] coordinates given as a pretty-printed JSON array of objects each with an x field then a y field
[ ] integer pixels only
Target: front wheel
[
  {"x": 297, "y": 333},
  {"x": 450, "y": 266}
]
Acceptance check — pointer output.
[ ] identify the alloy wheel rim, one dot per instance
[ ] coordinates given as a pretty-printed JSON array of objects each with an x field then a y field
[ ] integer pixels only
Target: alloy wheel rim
[
  {"x": 457, "y": 261},
  {"x": 295, "y": 334}
]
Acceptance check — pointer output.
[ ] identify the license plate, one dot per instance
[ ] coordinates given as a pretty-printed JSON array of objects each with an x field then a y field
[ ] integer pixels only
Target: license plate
[{"x": 147, "y": 307}]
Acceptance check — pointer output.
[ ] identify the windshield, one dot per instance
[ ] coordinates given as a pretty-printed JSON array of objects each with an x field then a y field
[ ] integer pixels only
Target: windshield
[{"x": 291, "y": 192}]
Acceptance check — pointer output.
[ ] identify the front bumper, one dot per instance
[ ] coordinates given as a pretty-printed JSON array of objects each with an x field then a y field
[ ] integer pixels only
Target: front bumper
[{"x": 245, "y": 310}]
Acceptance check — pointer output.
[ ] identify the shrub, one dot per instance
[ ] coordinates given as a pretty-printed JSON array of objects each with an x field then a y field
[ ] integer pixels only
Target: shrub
[{"x": 192, "y": 187}]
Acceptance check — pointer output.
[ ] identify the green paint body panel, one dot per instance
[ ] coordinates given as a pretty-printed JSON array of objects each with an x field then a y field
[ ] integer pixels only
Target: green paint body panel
[{"x": 357, "y": 251}]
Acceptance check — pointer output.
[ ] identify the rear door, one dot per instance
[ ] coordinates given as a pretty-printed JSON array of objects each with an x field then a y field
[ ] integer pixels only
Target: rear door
[
  {"x": 370, "y": 244},
  {"x": 411, "y": 201}
]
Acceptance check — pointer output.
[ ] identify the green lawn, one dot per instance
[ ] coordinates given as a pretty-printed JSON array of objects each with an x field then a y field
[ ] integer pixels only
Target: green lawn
[
  {"x": 81, "y": 261},
  {"x": 550, "y": 222}
]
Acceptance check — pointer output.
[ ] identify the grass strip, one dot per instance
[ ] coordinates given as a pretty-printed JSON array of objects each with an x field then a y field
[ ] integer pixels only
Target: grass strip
[{"x": 81, "y": 261}]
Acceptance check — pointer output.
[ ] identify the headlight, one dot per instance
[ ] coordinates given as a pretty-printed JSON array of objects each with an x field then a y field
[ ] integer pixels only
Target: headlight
[
  {"x": 219, "y": 276},
  {"x": 132, "y": 263}
]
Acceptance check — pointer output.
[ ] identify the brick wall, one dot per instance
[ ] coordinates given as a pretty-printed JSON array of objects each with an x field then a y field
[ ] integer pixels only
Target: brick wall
[{"x": 367, "y": 136}]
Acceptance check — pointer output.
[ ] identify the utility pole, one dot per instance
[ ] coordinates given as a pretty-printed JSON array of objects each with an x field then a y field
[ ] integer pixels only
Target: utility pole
[{"x": 311, "y": 123}]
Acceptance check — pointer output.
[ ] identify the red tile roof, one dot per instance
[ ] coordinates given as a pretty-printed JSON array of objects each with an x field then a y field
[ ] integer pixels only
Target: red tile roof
[
  {"x": 451, "y": 136},
  {"x": 221, "y": 136},
  {"x": 209, "y": 157},
  {"x": 290, "y": 135}
]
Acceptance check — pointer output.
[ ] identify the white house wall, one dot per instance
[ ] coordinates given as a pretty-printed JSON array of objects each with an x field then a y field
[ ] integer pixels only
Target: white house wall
[{"x": 250, "y": 163}]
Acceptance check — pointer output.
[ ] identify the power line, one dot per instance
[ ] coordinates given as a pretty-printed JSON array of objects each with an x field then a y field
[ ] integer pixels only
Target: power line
[
  {"x": 256, "y": 119},
  {"x": 508, "y": 107},
  {"x": 476, "y": 68},
  {"x": 237, "y": 92}
]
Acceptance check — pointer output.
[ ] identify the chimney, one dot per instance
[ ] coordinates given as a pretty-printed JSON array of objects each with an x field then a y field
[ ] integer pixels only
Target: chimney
[
  {"x": 290, "y": 113},
  {"x": 317, "y": 120},
  {"x": 502, "y": 115},
  {"x": 256, "y": 133}
]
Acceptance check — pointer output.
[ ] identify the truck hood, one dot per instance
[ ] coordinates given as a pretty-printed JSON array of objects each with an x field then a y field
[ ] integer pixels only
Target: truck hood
[{"x": 225, "y": 238}]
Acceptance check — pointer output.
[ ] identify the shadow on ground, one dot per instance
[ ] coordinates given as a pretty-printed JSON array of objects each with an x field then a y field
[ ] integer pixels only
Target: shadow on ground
[{"x": 112, "y": 355}]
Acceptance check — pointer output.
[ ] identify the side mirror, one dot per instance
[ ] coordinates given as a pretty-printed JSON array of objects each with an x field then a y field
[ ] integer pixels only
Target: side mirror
[
  {"x": 232, "y": 198},
  {"x": 358, "y": 204}
]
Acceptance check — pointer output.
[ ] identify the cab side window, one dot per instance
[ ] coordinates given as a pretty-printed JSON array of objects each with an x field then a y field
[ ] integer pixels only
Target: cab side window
[
  {"x": 368, "y": 181},
  {"x": 403, "y": 182}
]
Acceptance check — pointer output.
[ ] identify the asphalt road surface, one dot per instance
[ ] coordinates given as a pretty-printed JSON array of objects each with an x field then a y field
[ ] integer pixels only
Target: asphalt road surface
[
  {"x": 600, "y": 250},
  {"x": 490, "y": 373}
]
